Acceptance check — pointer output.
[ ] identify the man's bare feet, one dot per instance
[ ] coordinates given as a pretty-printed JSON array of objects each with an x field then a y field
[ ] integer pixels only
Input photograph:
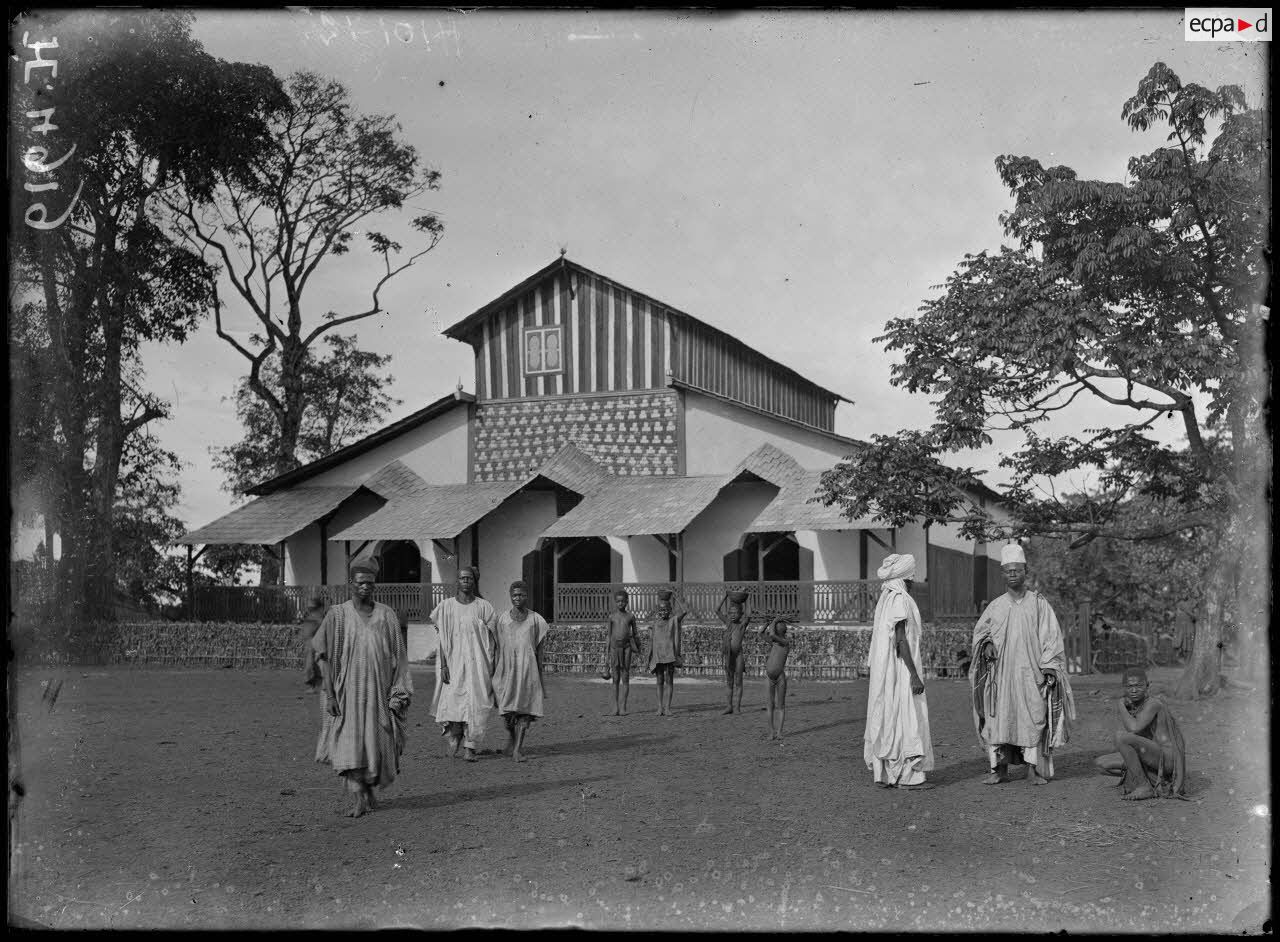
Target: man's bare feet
[
  {"x": 1035, "y": 778},
  {"x": 454, "y": 743},
  {"x": 373, "y": 802},
  {"x": 727, "y": 712},
  {"x": 359, "y": 806},
  {"x": 518, "y": 756},
  {"x": 919, "y": 787},
  {"x": 995, "y": 778},
  {"x": 470, "y": 756},
  {"x": 1141, "y": 793}
]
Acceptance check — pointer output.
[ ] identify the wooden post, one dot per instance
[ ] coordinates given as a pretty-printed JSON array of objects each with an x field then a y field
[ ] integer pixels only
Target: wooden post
[
  {"x": 1083, "y": 618},
  {"x": 191, "y": 583},
  {"x": 864, "y": 550},
  {"x": 324, "y": 551}
]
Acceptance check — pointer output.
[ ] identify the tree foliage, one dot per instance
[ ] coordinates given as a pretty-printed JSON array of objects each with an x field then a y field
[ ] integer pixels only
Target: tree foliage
[
  {"x": 304, "y": 200},
  {"x": 135, "y": 110},
  {"x": 1144, "y": 294},
  {"x": 345, "y": 393}
]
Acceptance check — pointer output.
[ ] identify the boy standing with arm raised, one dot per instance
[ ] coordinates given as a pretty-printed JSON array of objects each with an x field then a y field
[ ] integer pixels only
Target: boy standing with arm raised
[
  {"x": 730, "y": 613},
  {"x": 775, "y": 668},
  {"x": 664, "y": 650}
]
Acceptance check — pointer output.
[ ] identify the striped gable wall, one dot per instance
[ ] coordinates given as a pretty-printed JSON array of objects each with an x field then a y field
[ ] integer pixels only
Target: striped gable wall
[{"x": 612, "y": 340}]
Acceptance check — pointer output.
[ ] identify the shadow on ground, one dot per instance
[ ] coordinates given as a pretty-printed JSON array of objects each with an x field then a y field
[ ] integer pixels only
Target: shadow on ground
[{"x": 444, "y": 799}]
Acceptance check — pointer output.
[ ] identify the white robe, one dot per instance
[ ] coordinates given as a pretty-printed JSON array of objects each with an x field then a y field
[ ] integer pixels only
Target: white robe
[
  {"x": 897, "y": 746},
  {"x": 1028, "y": 642},
  {"x": 467, "y": 646}
]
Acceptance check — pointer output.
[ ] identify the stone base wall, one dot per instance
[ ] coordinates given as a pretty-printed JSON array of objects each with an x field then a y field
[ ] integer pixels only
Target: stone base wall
[
  {"x": 174, "y": 644},
  {"x": 818, "y": 653}
]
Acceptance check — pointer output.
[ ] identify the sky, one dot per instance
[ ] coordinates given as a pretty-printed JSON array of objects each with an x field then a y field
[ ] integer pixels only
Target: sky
[{"x": 793, "y": 178}]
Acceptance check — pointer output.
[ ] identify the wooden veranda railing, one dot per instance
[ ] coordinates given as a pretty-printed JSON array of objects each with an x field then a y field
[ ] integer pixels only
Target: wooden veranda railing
[
  {"x": 282, "y": 604},
  {"x": 834, "y": 602}
]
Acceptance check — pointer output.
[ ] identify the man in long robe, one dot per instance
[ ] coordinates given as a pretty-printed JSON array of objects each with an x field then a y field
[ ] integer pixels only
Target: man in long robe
[
  {"x": 367, "y": 690},
  {"x": 897, "y": 746},
  {"x": 464, "y": 700},
  {"x": 1021, "y": 696}
]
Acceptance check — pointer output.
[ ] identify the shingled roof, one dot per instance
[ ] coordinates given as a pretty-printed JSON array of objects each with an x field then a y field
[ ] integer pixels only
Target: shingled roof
[
  {"x": 396, "y": 480},
  {"x": 770, "y": 463},
  {"x": 436, "y": 512},
  {"x": 272, "y": 518},
  {"x": 573, "y": 468},
  {"x": 791, "y": 510},
  {"x": 639, "y": 506}
]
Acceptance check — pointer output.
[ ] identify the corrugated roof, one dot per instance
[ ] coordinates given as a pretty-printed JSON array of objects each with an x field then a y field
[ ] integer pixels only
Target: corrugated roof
[
  {"x": 636, "y": 506},
  {"x": 272, "y": 518},
  {"x": 791, "y": 510},
  {"x": 465, "y": 328},
  {"x": 437, "y": 512}
]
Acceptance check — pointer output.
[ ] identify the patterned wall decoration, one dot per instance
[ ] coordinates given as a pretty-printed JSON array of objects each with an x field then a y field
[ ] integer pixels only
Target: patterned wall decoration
[{"x": 628, "y": 435}]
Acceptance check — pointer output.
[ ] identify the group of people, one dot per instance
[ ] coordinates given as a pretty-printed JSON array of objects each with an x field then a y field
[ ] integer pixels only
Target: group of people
[
  {"x": 487, "y": 663},
  {"x": 490, "y": 663},
  {"x": 1021, "y": 694}
]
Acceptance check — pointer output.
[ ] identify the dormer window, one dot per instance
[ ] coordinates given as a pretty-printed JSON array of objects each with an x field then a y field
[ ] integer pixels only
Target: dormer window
[{"x": 543, "y": 351}]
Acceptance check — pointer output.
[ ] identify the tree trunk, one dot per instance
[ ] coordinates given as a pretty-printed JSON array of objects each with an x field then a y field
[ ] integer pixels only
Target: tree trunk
[{"x": 1202, "y": 675}]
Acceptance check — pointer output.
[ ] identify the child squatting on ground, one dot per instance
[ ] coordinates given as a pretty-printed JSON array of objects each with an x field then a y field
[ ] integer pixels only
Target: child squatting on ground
[
  {"x": 623, "y": 643},
  {"x": 1151, "y": 755}
]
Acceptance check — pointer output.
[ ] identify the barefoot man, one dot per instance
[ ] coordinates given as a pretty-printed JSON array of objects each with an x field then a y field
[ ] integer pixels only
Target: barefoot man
[
  {"x": 464, "y": 700},
  {"x": 1021, "y": 697},
  {"x": 517, "y": 681},
  {"x": 1151, "y": 755},
  {"x": 897, "y": 746},
  {"x": 731, "y": 616},
  {"x": 367, "y": 689}
]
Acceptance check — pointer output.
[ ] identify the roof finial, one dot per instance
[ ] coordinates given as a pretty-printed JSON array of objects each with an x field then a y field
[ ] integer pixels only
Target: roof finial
[{"x": 564, "y": 250}]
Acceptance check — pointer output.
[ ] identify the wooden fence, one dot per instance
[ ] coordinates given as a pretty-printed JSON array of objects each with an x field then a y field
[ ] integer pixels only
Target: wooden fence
[
  {"x": 835, "y": 602},
  {"x": 284, "y": 604}
]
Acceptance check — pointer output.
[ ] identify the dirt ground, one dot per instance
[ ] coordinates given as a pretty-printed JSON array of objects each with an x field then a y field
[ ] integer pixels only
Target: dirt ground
[{"x": 189, "y": 798}]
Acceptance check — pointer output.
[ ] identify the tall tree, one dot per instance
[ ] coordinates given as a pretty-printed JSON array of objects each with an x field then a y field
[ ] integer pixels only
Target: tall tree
[
  {"x": 328, "y": 171},
  {"x": 109, "y": 111},
  {"x": 344, "y": 394},
  {"x": 1146, "y": 295}
]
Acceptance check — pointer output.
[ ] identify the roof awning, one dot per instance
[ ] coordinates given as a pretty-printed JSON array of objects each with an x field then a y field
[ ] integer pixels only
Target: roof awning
[
  {"x": 791, "y": 510},
  {"x": 639, "y": 506},
  {"x": 272, "y": 518},
  {"x": 438, "y": 512}
]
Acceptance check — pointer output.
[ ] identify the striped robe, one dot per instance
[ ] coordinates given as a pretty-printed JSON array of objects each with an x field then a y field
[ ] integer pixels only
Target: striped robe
[{"x": 366, "y": 657}]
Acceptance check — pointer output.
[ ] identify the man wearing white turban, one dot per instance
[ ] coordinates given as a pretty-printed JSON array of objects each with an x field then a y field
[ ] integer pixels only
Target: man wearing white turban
[
  {"x": 896, "y": 744},
  {"x": 1021, "y": 697}
]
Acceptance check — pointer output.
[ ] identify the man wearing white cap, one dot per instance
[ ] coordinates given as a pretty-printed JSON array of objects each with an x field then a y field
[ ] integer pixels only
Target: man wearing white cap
[
  {"x": 896, "y": 744},
  {"x": 1021, "y": 697}
]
